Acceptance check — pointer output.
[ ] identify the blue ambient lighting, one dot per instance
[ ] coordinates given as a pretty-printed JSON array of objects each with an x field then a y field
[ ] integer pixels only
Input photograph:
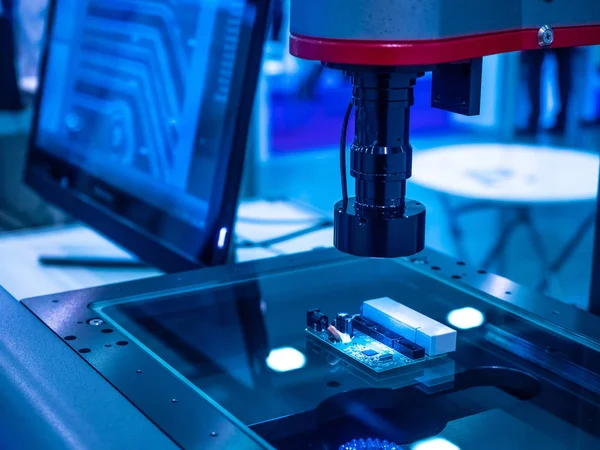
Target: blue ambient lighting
[
  {"x": 273, "y": 67},
  {"x": 222, "y": 236},
  {"x": 465, "y": 318},
  {"x": 285, "y": 359},
  {"x": 434, "y": 444}
]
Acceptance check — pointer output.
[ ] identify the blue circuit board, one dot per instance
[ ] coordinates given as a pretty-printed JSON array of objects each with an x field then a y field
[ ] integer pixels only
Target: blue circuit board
[{"x": 369, "y": 352}]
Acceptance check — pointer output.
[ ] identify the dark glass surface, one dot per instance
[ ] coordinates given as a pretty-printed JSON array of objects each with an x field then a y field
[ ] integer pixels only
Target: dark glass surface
[
  {"x": 511, "y": 383},
  {"x": 143, "y": 112}
]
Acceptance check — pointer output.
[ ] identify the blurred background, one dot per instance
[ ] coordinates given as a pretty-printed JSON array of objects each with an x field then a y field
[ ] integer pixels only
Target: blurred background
[{"x": 512, "y": 190}]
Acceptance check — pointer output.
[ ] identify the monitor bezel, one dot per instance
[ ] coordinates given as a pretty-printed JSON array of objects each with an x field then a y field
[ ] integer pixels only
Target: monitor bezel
[{"x": 59, "y": 182}]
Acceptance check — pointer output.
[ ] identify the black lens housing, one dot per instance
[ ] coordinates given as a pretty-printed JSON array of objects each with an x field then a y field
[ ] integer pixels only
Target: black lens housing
[{"x": 380, "y": 221}]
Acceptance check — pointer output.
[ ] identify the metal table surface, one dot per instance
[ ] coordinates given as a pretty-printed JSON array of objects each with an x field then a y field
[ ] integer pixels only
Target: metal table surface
[
  {"x": 190, "y": 350},
  {"x": 52, "y": 399}
]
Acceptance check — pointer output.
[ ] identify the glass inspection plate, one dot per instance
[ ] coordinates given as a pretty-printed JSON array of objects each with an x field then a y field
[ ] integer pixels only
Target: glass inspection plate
[
  {"x": 239, "y": 339},
  {"x": 244, "y": 345}
]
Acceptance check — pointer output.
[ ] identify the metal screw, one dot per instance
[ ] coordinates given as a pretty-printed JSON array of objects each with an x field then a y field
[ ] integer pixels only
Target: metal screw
[
  {"x": 96, "y": 322},
  {"x": 545, "y": 36},
  {"x": 214, "y": 434}
]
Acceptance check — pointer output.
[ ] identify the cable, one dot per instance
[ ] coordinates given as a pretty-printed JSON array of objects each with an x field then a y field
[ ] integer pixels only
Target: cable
[
  {"x": 343, "y": 156},
  {"x": 277, "y": 221},
  {"x": 288, "y": 237}
]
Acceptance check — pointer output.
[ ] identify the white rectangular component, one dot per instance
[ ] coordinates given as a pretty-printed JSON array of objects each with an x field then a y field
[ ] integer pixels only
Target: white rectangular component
[{"x": 433, "y": 336}]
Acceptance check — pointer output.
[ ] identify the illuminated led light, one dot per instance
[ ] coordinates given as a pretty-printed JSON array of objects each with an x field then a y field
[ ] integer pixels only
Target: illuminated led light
[
  {"x": 369, "y": 444},
  {"x": 222, "y": 236},
  {"x": 285, "y": 359},
  {"x": 434, "y": 444},
  {"x": 465, "y": 318}
]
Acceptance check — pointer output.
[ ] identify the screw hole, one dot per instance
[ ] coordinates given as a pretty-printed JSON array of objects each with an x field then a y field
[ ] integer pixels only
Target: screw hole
[
  {"x": 84, "y": 350},
  {"x": 461, "y": 263},
  {"x": 435, "y": 268},
  {"x": 54, "y": 301},
  {"x": 80, "y": 321},
  {"x": 174, "y": 400},
  {"x": 418, "y": 204},
  {"x": 96, "y": 322},
  {"x": 214, "y": 434},
  {"x": 107, "y": 330},
  {"x": 70, "y": 338},
  {"x": 508, "y": 293},
  {"x": 482, "y": 271},
  {"x": 418, "y": 261},
  {"x": 122, "y": 343},
  {"x": 456, "y": 277},
  {"x": 138, "y": 371},
  {"x": 334, "y": 384}
]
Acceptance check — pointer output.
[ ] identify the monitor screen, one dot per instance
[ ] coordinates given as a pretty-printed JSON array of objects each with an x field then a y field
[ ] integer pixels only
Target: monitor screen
[{"x": 142, "y": 117}]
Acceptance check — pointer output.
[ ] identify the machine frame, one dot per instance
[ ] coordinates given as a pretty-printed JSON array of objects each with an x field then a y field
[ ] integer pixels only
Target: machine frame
[
  {"x": 175, "y": 402},
  {"x": 594, "y": 301}
]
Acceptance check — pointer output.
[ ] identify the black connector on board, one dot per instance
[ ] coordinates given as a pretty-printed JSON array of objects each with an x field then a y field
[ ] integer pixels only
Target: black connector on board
[
  {"x": 409, "y": 348},
  {"x": 388, "y": 337},
  {"x": 316, "y": 320},
  {"x": 343, "y": 322}
]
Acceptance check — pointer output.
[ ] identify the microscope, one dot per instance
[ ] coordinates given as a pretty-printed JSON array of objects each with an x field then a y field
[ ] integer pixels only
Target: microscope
[{"x": 384, "y": 46}]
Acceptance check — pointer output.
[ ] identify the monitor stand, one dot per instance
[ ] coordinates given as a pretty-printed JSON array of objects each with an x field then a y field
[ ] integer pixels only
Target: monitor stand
[{"x": 86, "y": 261}]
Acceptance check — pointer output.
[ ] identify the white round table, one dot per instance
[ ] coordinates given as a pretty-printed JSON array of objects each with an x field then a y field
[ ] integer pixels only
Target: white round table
[
  {"x": 509, "y": 173},
  {"x": 511, "y": 178}
]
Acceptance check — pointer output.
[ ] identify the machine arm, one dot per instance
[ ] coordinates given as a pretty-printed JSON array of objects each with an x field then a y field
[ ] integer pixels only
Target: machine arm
[{"x": 384, "y": 46}]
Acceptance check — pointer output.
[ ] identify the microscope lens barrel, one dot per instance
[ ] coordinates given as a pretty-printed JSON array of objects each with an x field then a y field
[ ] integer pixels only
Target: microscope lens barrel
[
  {"x": 381, "y": 155},
  {"x": 379, "y": 221}
]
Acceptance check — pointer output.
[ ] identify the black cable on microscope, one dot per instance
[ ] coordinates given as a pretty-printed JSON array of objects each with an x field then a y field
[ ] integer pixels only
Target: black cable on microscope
[{"x": 343, "y": 156}]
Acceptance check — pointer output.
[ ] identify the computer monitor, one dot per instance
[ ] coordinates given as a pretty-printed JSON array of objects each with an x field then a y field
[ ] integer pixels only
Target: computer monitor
[{"x": 142, "y": 117}]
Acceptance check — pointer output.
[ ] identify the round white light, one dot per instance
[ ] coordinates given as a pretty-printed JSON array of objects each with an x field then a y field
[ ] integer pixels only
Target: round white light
[
  {"x": 285, "y": 359},
  {"x": 435, "y": 444},
  {"x": 465, "y": 318}
]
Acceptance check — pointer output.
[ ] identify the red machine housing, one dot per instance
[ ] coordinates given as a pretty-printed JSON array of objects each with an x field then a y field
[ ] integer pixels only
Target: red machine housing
[{"x": 422, "y": 52}]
